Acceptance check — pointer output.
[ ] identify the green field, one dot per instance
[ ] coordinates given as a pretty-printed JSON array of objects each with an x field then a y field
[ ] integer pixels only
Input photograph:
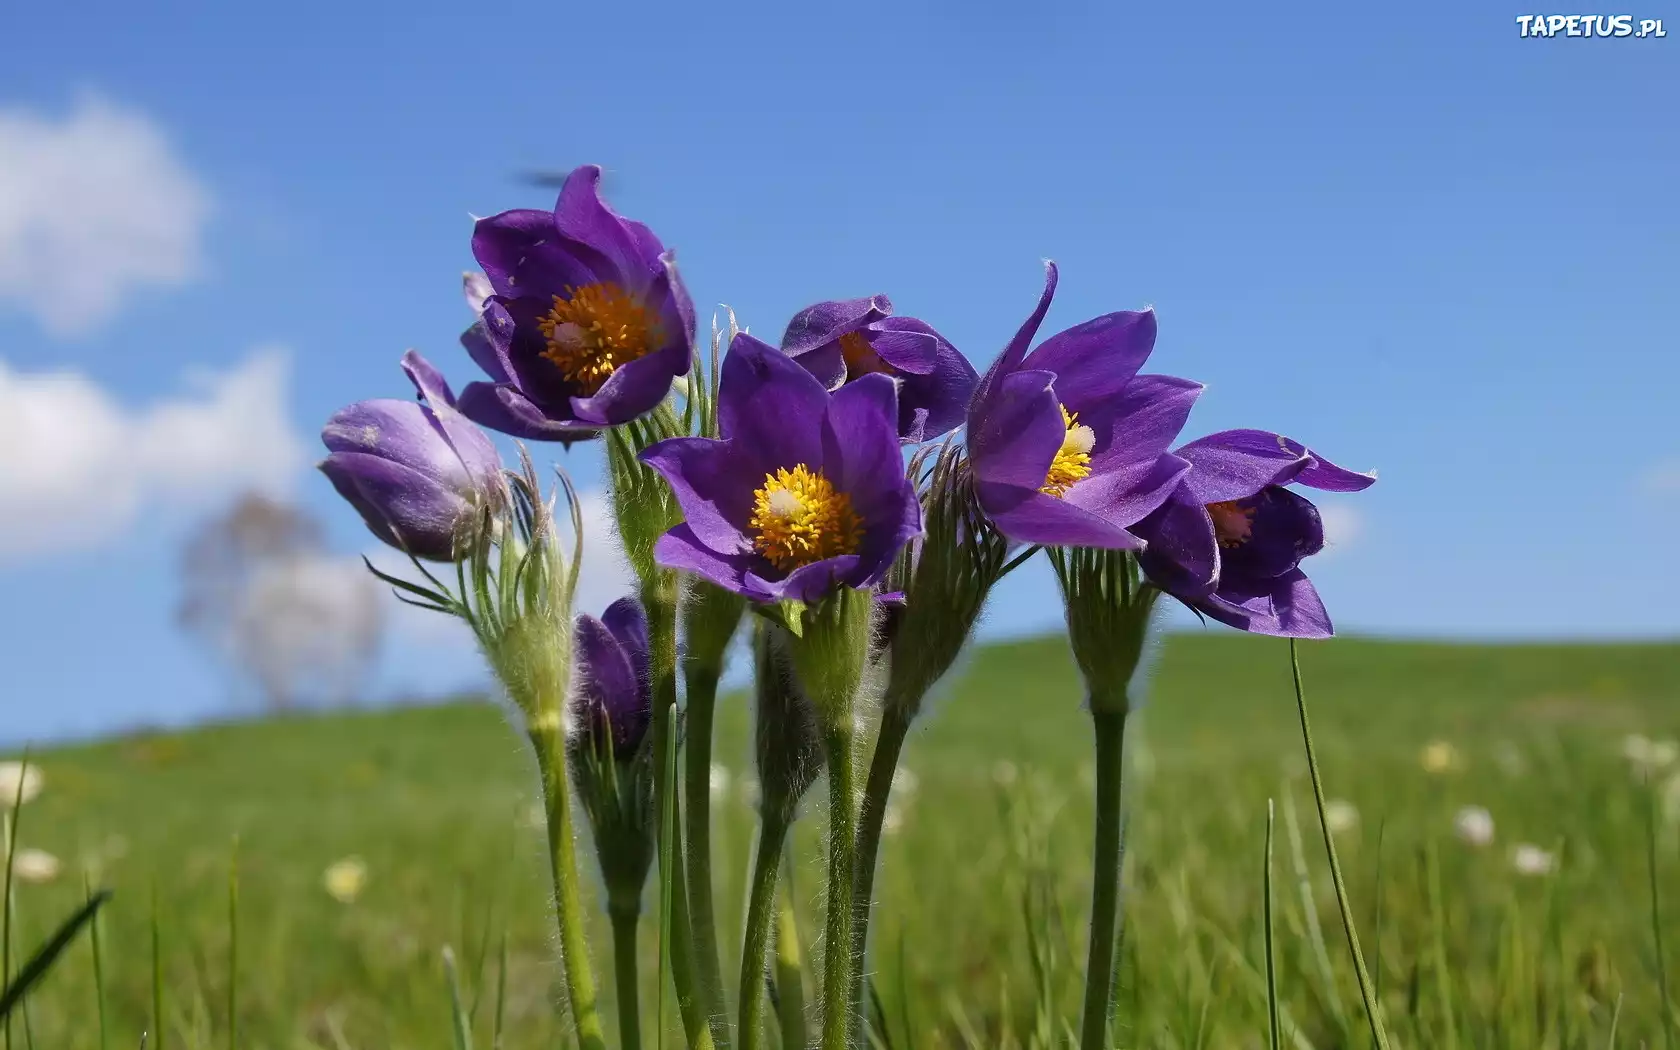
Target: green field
[{"x": 980, "y": 931}]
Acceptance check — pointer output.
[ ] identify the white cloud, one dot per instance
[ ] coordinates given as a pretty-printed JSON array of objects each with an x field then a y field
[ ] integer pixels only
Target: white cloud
[
  {"x": 1662, "y": 479},
  {"x": 604, "y": 578},
  {"x": 93, "y": 207},
  {"x": 79, "y": 467},
  {"x": 1343, "y": 525}
]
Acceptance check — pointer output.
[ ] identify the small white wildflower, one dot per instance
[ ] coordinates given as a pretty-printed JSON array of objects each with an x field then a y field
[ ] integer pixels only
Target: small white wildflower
[
  {"x": 344, "y": 879},
  {"x": 1529, "y": 859},
  {"x": 719, "y": 782},
  {"x": 35, "y": 865},
  {"x": 1474, "y": 825},
  {"x": 13, "y": 777},
  {"x": 1004, "y": 773},
  {"x": 1340, "y": 815}
]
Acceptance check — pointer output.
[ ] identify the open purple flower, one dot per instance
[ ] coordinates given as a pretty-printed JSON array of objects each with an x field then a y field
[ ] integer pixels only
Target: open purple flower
[
  {"x": 419, "y": 473},
  {"x": 1230, "y": 540},
  {"x": 805, "y": 491},
  {"x": 589, "y": 323},
  {"x": 614, "y": 695},
  {"x": 839, "y": 342},
  {"x": 1069, "y": 444}
]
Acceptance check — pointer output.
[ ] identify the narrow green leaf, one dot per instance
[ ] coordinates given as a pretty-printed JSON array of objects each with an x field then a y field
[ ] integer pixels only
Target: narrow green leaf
[{"x": 38, "y": 965}]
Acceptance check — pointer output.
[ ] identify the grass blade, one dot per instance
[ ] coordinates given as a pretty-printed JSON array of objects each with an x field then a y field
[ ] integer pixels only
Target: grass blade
[
  {"x": 9, "y": 826},
  {"x": 233, "y": 948},
  {"x": 157, "y": 975},
  {"x": 501, "y": 995},
  {"x": 1656, "y": 916},
  {"x": 457, "y": 1008},
  {"x": 38, "y": 965},
  {"x": 1271, "y": 956},
  {"x": 98, "y": 962}
]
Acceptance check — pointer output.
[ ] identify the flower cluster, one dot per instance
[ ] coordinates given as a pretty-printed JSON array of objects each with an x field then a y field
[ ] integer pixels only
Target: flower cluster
[{"x": 794, "y": 481}]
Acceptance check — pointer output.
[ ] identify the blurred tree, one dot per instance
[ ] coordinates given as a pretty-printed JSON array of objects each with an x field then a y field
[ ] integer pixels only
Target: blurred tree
[{"x": 284, "y": 617}]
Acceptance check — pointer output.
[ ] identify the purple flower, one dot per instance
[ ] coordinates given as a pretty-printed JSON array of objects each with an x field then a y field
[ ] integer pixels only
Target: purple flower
[
  {"x": 589, "y": 322},
  {"x": 1230, "y": 540},
  {"x": 840, "y": 342},
  {"x": 419, "y": 473},
  {"x": 804, "y": 492},
  {"x": 1068, "y": 443},
  {"x": 614, "y": 695}
]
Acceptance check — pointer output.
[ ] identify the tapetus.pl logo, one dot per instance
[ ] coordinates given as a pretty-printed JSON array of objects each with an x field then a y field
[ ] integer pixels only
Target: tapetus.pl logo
[{"x": 1591, "y": 26}]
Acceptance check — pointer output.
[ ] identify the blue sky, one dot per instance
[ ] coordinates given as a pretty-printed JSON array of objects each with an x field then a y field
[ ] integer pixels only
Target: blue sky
[{"x": 1409, "y": 238}]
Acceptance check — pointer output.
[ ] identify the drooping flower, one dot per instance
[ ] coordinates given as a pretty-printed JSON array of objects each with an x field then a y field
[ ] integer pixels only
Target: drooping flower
[
  {"x": 35, "y": 865},
  {"x": 614, "y": 699},
  {"x": 1230, "y": 540},
  {"x": 1474, "y": 825},
  {"x": 589, "y": 323},
  {"x": 804, "y": 492},
  {"x": 19, "y": 783},
  {"x": 842, "y": 341},
  {"x": 419, "y": 473},
  {"x": 1069, "y": 444}
]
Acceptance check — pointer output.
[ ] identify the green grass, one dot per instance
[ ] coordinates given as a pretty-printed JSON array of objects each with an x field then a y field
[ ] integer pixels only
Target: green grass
[{"x": 985, "y": 881}]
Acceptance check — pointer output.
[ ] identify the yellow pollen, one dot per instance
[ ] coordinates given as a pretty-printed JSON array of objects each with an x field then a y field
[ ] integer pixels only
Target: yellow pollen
[
  {"x": 798, "y": 518},
  {"x": 1232, "y": 522},
  {"x": 593, "y": 330},
  {"x": 861, "y": 358},
  {"x": 1073, "y": 459}
]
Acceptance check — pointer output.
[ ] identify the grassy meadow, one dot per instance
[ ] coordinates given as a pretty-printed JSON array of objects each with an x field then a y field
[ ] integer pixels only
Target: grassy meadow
[{"x": 979, "y": 939}]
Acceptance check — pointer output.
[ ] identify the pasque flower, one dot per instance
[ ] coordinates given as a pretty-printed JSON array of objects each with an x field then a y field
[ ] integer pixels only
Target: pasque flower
[
  {"x": 588, "y": 324},
  {"x": 419, "y": 473},
  {"x": 1068, "y": 443},
  {"x": 613, "y": 704},
  {"x": 842, "y": 341},
  {"x": 805, "y": 490},
  {"x": 1230, "y": 540}
]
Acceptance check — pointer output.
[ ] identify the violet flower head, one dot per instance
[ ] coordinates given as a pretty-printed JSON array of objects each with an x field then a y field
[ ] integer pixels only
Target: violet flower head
[
  {"x": 840, "y": 342},
  {"x": 1068, "y": 443},
  {"x": 1230, "y": 540},
  {"x": 613, "y": 702},
  {"x": 588, "y": 324},
  {"x": 805, "y": 491},
  {"x": 419, "y": 473}
]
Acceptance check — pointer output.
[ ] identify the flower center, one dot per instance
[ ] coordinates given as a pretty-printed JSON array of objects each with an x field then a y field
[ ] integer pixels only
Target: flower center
[
  {"x": 798, "y": 518},
  {"x": 595, "y": 329},
  {"x": 861, "y": 358},
  {"x": 1232, "y": 522},
  {"x": 1073, "y": 459}
]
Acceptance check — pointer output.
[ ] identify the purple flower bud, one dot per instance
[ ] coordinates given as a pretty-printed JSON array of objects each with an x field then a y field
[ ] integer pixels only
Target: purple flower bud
[
  {"x": 419, "y": 473},
  {"x": 614, "y": 697}
]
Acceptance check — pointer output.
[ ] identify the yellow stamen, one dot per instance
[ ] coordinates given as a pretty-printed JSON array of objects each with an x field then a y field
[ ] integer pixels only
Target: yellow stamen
[
  {"x": 798, "y": 518},
  {"x": 593, "y": 330},
  {"x": 861, "y": 358},
  {"x": 1232, "y": 522},
  {"x": 1073, "y": 459}
]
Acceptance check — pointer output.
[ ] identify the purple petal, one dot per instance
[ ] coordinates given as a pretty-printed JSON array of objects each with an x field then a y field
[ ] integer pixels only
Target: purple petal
[
  {"x": 680, "y": 549},
  {"x": 1030, "y": 516},
  {"x": 476, "y": 288},
  {"x": 1284, "y": 528},
  {"x": 484, "y": 353},
  {"x": 627, "y": 622},
  {"x": 1292, "y": 610},
  {"x": 712, "y": 485},
  {"x": 934, "y": 404},
  {"x": 398, "y": 502},
  {"x": 824, "y": 323},
  {"x": 1094, "y": 361},
  {"x": 1139, "y": 424},
  {"x": 861, "y": 454},
  {"x": 502, "y": 408},
  {"x": 827, "y": 363},
  {"x": 1014, "y": 435},
  {"x": 474, "y": 447},
  {"x": 607, "y": 677},
  {"x": 908, "y": 345},
  {"x": 1183, "y": 553},
  {"x": 582, "y": 216},
  {"x": 634, "y": 388},
  {"x": 524, "y": 255},
  {"x": 769, "y": 405},
  {"x": 1016, "y": 351},
  {"x": 1235, "y": 464},
  {"x": 809, "y": 583},
  {"x": 1126, "y": 496},
  {"x": 399, "y": 431}
]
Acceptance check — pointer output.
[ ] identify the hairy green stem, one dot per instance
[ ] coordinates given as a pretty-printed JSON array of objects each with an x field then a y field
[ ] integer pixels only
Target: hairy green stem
[
  {"x": 568, "y": 905},
  {"x": 889, "y": 745},
  {"x": 790, "y": 963},
  {"x": 624, "y": 923},
  {"x": 761, "y": 911},
  {"x": 697, "y": 771},
  {"x": 1110, "y": 727},
  {"x": 842, "y": 870},
  {"x": 1373, "y": 1009},
  {"x": 659, "y": 601}
]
